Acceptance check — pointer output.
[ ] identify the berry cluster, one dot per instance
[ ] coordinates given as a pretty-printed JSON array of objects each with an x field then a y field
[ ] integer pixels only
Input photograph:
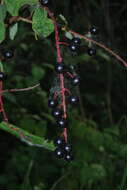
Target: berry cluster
[
  {"x": 60, "y": 98},
  {"x": 63, "y": 149}
]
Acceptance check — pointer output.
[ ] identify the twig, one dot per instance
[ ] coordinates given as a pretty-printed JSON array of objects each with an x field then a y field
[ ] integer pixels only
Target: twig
[
  {"x": 100, "y": 45},
  {"x": 20, "y": 90}
]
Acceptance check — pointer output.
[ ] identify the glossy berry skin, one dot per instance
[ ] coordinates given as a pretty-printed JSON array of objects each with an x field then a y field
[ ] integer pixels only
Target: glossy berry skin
[
  {"x": 68, "y": 157},
  {"x": 59, "y": 142},
  {"x": 59, "y": 153},
  {"x": 75, "y": 81},
  {"x": 73, "y": 47},
  {"x": 8, "y": 54},
  {"x": 94, "y": 30},
  {"x": 59, "y": 68},
  {"x": 52, "y": 103},
  {"x": 73, "y": 100},
  {"x": 76, "y": 41},
  {"x": 57, "y": 113},
  {"x": 91, "y": 51},
  {"x": 67, "y": 148},
  {"x": 44, "y": 2},
  {"x": 61, "y": 123},
  {"x": 3, "y": 76}
]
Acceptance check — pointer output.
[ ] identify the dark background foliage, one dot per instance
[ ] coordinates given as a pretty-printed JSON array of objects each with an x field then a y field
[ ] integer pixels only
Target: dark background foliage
[{"x": 97, "y": 128}]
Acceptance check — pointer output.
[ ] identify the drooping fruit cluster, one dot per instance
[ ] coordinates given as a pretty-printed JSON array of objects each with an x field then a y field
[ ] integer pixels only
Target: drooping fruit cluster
[
  {"x": 63, "y": 149},
  {"x": 57, "y": 105}
]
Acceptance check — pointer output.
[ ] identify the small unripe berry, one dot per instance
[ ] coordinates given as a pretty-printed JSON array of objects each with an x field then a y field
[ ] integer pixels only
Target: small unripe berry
[{"x": 91, "y": 51}]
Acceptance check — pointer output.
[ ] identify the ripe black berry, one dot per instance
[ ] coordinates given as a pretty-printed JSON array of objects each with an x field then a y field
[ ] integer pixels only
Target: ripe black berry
[
  {"x": 76, "y": 41},
  {"x": 57, "y": 113},
  {"x": 59, "y": 153},
  {"x": 68, "y": 157},
  {"x": 8, "y": 54},
  {"x": 93, "y": 30},
  {"x": 73, "y": 100},
  {"x": 59, "y": 68},
  {"x": 67, "y": 148},
  {"x": 44, "y": 2},
  {"x": 61, "y": 123},
  {"x": 3, "y": 76},
  {"x": 52, "y": 103},
  {"x": 91, "y": 51},
  {"x": 59, "y": 141},
  {"x": 73, "y": 47},
  {"x": 75, "y": 80}
]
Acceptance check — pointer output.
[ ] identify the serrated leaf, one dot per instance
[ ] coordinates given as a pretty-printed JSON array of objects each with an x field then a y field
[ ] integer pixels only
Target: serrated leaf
[
  {"x": 42, "y": 25},
  {"x": 2, "y": 12},
  {"x": 13, "y": 31},
  {"x": 13, "y": 6},
  {"x": 26, "y": 137},
  {"x": 2, "y": 31}
]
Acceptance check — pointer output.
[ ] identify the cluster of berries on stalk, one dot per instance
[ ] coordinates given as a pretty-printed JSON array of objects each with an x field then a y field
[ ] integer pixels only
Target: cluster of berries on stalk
[
  {"x": 61, "y": 95},
  {"x": 58, "y": 105}
]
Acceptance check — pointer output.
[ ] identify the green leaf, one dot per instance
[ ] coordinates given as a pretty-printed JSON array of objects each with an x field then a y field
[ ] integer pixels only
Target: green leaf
[
  {"x": 26, "y": 137},
  {"x": 2, "y": 12},
  {"x": 38, "y": 72},
  {"x": 13, "y": 6},
  {"x": 2, "y": 31},
  {"x": 13, "y": 31},
  {"x": 42, "y": 25}
]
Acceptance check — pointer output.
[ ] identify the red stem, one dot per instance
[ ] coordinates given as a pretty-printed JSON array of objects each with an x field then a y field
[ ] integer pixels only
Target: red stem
[
  {"x": 59, "y": 60},
  {"x": 2, "y": 106}
]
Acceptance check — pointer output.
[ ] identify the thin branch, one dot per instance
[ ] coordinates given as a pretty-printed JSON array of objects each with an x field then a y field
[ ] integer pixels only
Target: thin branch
[
  {"x": 20, "y": 90},
  {"x": 100, "y": 45}
]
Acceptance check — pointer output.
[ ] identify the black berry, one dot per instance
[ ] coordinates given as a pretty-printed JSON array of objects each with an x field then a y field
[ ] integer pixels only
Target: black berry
[
  {"x": 52, "y": 103},
  {"x": 57, "y": 112},
  {"x": 94, "y": 30},
  {"x": 68, "y": 157},
  {"x": 61, "y": 123},
  {"x": 59, "y": 153},
  {"x": 91, "y": 51},
  {"x": 67, "y": 148},
  {"x": 75, "y": 80},
  {"x": 76, "y": 41},
  {"x": 44, "y": 2},
  {"x": 3, "y": 76},
  {"x": 24, "y": 11},
  {"x": 73, "y": 47},
  {"x": 73, "y": 100},
  {"x": 8, "y": 54},
  {"x": 59, "y": 141},
  {"x": 59, "y": 68}
]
